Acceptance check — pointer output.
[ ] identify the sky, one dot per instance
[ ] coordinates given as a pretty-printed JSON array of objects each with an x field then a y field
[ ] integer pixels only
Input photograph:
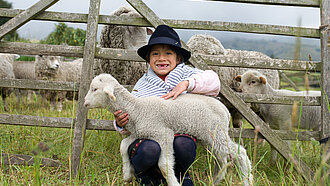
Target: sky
[{"x": 181, "y": 9}]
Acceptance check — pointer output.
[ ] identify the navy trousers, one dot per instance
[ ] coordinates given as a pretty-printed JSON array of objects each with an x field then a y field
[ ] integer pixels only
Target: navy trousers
[{"x": 144, "y": 155}]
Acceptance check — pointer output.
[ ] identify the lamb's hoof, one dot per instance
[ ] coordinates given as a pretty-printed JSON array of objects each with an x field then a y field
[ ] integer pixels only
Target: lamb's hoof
[{"x": 127, "y": 178}]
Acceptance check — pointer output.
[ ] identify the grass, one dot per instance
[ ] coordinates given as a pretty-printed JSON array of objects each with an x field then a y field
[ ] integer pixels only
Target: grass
[{"x": 101, "y": 160}]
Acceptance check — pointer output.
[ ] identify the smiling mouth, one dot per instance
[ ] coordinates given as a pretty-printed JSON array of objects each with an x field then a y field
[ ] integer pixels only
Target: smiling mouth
[{"x": 162, "y": 65}]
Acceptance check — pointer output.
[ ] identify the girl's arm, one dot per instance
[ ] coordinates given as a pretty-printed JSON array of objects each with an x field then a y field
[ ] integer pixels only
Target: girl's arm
[{"x": 206, "y": 83}]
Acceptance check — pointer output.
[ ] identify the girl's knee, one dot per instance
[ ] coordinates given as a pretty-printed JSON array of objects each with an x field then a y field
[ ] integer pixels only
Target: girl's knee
[
  {"x": 184, "y": 150},
  {"x": 146, "y": 156}
]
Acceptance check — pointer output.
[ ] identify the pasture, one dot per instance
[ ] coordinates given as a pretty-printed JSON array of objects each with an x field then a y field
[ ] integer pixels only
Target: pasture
[
  {"x": 101, "y": 160},
  {"x": 94, "y": 159}
]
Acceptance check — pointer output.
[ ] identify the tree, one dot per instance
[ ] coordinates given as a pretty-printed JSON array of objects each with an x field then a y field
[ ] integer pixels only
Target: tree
[
  {"x": 12, "y": 36},
  {"x": 66, "y": 35}
]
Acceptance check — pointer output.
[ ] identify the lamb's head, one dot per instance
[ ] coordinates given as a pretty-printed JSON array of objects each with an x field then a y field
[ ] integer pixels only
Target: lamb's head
[
  {"x": 100, "y": 93},
  {"x": 252, "y": 81},
  {"x": 49, "y": 62}
]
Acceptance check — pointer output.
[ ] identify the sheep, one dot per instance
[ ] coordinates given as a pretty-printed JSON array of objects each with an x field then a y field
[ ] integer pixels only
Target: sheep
[
  {"x": 279, "y": 116},
  {"x": 123, "y": 37},
  {"x": 6, "y": 72},
  {"x": 24, "y": 70},
  {"x": 207, "y": 120},
  {"x": 54, "y": 69},
  {"x": 208, "y": 45}
]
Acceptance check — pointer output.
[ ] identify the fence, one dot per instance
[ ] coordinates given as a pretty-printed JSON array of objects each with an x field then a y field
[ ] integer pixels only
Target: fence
[{"x": 90, "y": 51}]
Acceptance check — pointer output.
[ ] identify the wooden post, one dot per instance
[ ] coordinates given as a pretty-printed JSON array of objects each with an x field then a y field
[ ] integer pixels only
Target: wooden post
[
  {"x": 25, "y": 16},
  {"x": 86, "y": 77},
  {"x": 281, "y": 146},
  {"x": 325, "y": 72}
]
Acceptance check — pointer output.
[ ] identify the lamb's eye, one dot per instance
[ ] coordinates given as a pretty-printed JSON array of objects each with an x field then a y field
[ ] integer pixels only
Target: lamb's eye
[
  {"x": 94, "y": 89},
  {"x": 253, "y": 82}
]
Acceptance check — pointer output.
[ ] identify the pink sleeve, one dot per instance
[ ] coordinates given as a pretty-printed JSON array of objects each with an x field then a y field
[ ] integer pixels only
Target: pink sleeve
[{"x": 206, "y": 83}]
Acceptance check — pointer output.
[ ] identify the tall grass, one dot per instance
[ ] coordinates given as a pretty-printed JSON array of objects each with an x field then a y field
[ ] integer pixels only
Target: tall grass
[{"x": 101, "y": 160}]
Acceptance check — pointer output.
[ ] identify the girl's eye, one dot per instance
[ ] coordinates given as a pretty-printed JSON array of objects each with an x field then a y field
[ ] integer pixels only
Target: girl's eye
[
  {"x": 154, "y": 53},
  {"x": 169, "y": 53}
]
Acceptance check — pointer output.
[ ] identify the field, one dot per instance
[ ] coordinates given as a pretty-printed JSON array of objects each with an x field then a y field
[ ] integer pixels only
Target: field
[{"x": 101, "y": 160}]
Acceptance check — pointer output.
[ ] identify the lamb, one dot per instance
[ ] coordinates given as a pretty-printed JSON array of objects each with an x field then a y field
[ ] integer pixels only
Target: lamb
[
  {"x": 208, "y": 45},
  {"x": 54, "y": 69},
  {"x": 6, "y": 72},
  {"x": 24, "y": 70},
  {"x": 279, "y": 116},
  {"x": 106, "y": 92},
  {"x": 123, "y": 37}
]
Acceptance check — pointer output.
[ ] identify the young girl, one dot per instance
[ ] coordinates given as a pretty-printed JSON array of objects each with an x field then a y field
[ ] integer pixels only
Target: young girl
[{"x": 167, "y": 77}]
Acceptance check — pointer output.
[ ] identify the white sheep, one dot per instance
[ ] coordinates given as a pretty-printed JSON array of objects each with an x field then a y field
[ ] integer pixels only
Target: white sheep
[
  {"x": 24, "y": 70},
  {"x": 279, "y": 116},
  {"x": 54, "y": 69},
  {"x": 204, "y": 44},
  {"x": 123, "y": 37},
  {"x": 157, "y": 119},
  {"x": 6, "y": 72}
]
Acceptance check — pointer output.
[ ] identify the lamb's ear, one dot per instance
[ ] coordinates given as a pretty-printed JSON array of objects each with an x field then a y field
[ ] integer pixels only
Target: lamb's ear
[
  {"x": 263, "y": 80},
  {"x": 109, "y": 91},
  {"x": 238, "y": 78}
]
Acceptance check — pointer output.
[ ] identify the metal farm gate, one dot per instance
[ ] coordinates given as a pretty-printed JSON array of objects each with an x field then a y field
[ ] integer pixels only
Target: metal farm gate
[{"x": 90, "y": 51}]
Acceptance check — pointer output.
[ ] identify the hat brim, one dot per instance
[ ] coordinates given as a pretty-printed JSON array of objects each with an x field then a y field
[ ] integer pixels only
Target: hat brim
[{"x": 143, "y": 51}]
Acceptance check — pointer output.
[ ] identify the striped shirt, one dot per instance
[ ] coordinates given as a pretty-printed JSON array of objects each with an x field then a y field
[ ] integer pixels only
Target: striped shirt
[{"x": 152, "y": 85}]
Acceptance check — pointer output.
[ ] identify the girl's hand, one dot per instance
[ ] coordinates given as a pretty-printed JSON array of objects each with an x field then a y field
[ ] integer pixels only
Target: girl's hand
[
  {"x": 181, "y": 87},
  {"x": 121, "y": 118}
]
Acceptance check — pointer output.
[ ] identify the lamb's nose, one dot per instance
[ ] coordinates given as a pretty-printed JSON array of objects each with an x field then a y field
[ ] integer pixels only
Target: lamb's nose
[{"x": 86, "y": 104}]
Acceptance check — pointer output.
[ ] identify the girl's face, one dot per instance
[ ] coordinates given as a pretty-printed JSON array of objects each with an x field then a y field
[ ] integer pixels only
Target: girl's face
[{"x": 163, "y": 59}]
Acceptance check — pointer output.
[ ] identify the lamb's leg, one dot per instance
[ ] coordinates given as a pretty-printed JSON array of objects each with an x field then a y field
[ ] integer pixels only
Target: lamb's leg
[
  {"x": 4, "y": 101},
  {"x": 244, "y": 164},
  {"x": 128, "y": 170},
  {"x": 18, "y": 96},
  {"x": 274, "y": 153},
  {"x": 218, "y": 148},
  {"x": 59, "y": 106},
  {"x": 30, "y": 96},
  {"x": 52, "y": 104},
  {"x": 236, "y": 118},
  {"x": 166, "y": 158},
  {"x": 273, "y": 156},
  {"x": 219, "y": 174}
]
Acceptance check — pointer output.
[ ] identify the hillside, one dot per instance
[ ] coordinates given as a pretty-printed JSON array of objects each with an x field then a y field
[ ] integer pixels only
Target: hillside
[{"x": 275, "y": 48}]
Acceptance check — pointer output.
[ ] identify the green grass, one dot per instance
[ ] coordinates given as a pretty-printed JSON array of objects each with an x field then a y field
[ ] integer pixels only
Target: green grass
[{"x": 101, "y": 160}]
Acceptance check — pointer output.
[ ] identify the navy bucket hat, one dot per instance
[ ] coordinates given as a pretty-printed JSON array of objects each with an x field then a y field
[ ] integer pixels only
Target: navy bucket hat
[{"x": 164, "y": 34}]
